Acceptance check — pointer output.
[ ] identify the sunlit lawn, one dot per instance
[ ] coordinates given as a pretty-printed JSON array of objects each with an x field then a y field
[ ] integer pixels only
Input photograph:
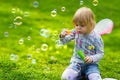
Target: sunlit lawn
[{"x": 27, "y": 55}]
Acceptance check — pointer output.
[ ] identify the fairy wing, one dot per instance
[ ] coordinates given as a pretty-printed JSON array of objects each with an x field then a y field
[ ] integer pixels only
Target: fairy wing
[{"x": 104, "y": 26}]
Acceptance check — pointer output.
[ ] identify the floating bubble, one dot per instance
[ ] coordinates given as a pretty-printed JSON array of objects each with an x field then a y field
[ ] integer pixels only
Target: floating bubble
[
  {"x": 33, "y": 61},
  {"x": 58, "y": 43},
  {"x": 13, "y": 10},
  {"x": 55, "y": 10},
  {"x": 6, "y": 34},
  {"x": 95, "y": 2},
  {"x": 55, "y": 35},
  {"x": 44, "y": 47},
  {"x": 13, "y": 57},
  {"x": 21, "y": 41},
  {"x": 26, "y": 14},
  {"x": 38, "y": 50},
  {"x": 16, "y": 11},
  {"x": 36, "y": 4},
  {"x": 53, "y": 13},
  {"x": 18, "y": 20},
  {"x": 29, "y": 56},
  {"x": 28, "y": 38},
  {"x": 42, "y": 31},
  {"x": 81, "y": 2},
  {"x": 45, "y": 33},
  {"x": 63, "y": 9}
]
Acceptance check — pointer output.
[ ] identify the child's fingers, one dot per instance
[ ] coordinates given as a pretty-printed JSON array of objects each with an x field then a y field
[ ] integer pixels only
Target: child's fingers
[
  {"x": 63, "y": 33},
  {"x": 88, "y": 59}
]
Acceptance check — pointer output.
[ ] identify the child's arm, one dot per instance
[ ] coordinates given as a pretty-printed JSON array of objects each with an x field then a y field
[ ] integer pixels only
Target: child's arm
[{"x": 99, "y": 50}]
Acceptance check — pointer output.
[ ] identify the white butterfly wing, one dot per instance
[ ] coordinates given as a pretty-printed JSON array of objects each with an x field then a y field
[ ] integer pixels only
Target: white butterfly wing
[{"x": 104, "y": 26}]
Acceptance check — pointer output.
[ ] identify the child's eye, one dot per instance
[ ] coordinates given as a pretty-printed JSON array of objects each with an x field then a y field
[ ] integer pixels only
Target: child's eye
[
  {"x": 82, "y": 25},
  {"x": 76, "y": 25}
]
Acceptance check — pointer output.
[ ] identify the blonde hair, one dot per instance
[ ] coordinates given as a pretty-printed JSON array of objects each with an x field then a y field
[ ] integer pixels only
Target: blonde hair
[{"x": 85, "y": 16}]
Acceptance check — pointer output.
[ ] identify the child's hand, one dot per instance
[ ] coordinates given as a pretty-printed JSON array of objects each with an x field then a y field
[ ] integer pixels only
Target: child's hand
[
  {"x": 88, "y": 59},
  {"x": 64, "y": 33}
]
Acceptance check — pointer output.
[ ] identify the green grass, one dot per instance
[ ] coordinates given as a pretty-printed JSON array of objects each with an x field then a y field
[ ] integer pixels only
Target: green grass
[{"x": 51, "y": 63}]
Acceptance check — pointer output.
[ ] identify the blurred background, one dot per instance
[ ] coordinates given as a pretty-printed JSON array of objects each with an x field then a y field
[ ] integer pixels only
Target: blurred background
[{"x": 29, "y": 37}]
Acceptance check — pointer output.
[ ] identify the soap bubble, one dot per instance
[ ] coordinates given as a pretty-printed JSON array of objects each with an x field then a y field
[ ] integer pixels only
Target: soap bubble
[
  {"x": 13, "y": 10},
  {"x": 26, "y": 14},
  {"x": 33, "y": 61},
  {"x": 29, "y": 56},
  {"x": 58, "y": 43},
  {"x": 81, "y": 2},
  {"x": 42, "y": 31},
  {"x": 28, "y": 38},
  {"x": 18, "y": 20},
  {"x": 6, "y": 34},
  {"x": 21, "y": 41},
  {"x": 53, "y": 13},
  {"x": 55, "y": 35},
  {"x": 35, "y": 4},
  {"x": 16, "y": 11},
  {"x": 63, "y": 9},
  {"x": 44, "y": 47},
  {"x": 95, "y": 2},
  {"x": 45, "y": 33},
  {"x": 13, "y": 57}
]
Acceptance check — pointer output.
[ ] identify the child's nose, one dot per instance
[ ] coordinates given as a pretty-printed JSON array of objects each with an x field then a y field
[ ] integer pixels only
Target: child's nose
[{"x": 78, "y": 27}]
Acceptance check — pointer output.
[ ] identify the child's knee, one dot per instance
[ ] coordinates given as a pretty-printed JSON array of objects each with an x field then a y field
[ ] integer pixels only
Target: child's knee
[
  {"x": 94, "y": 76},
  {"x": 69, "y": 74}
]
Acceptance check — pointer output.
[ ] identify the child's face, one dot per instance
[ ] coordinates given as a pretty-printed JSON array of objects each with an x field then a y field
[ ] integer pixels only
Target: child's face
[{"x": 81, "y": 28}]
